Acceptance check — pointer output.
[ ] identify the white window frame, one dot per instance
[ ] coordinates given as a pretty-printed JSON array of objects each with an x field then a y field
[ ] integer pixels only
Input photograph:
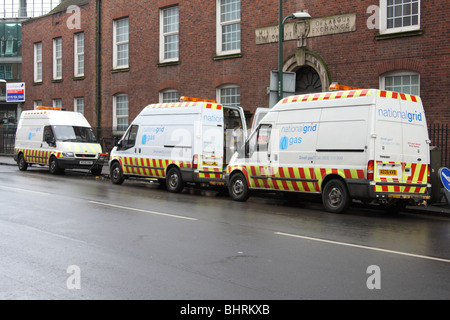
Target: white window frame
[
  {"x": 116, "y": 117},
  {"x": 38, "y": 62},
  {"x": 219, "y": 35},
  {"x": 57, "y": 59},
  {"x": 116, "y": 44},
  {"x": 397, "y": 74},
  {"x": 79, "y": 55},
  {"x": 168, "y": 91},
  {"x": 57, "y": 103},
  {"x": 76, "y": 104},
  {"x": 163, "y": 35},
  {"x": 219, "y": 96},
  {"x": 383, "y": 20},
  {"x": 37, "y": 103}
]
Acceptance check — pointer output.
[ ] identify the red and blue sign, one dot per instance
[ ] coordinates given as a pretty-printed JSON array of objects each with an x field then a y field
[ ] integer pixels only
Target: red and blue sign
[{"x": 15, "y": 92}]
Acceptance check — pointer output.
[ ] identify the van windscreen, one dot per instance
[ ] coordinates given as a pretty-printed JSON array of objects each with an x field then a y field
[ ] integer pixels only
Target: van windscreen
[{"x": 74, "y": 134}]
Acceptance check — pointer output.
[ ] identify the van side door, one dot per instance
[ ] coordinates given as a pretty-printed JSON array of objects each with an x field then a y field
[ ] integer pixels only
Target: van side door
[
  {"x": 48, "y": 145},
  {"x": 295, "y": 161}
]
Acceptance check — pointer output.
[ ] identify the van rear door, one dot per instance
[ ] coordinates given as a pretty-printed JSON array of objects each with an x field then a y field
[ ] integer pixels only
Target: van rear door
[
  {"x": 210, "y": 159},
  {"x": 388, "y": 160},
  {"x": 401, "y": 147},
  {"x": 415, "y": 145}
]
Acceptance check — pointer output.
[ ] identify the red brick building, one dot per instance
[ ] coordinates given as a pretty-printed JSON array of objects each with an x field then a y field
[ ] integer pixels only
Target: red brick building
[{"x": 138, "y": 52}]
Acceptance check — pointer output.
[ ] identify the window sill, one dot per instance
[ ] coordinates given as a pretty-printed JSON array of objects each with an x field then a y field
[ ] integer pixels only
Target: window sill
[
  {"x": 228, "y": 56},
  {"x": 402, "y": 34},
  {"x": 78, "y": 78},
  {"x": 167, "y": 64},
  {"x": 37, "y": 83},
  {"x": 120, "y": 70},
  {"x": 57, "y": 80}
]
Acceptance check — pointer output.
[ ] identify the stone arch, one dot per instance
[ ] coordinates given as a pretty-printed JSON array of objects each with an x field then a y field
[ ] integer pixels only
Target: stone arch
[{"x": 312, "y": 72}]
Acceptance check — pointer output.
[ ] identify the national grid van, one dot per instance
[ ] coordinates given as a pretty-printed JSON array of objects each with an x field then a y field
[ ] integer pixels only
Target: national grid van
[
  {"x": 358, "y": 144},
  {"x": 185, "y": 142},
  {"x": 57, "y": 139}
]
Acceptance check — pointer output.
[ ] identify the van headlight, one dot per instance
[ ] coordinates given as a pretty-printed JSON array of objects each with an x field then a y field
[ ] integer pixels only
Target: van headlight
[{"x": 68, "y": 155}]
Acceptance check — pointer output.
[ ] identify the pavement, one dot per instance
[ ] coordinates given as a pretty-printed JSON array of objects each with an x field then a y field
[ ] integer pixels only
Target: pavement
[{"x": 441, "y": 209}]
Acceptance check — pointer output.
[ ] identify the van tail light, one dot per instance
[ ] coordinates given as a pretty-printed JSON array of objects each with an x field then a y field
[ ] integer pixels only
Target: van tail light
[
  {"x": 370, "y": 169},
  {"x": 195, "y": 161},
  {"x": 429, "y": 174}
]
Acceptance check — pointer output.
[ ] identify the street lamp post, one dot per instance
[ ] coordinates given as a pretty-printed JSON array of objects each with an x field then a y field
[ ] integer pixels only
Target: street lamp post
[{"x": 296, "y": 16}]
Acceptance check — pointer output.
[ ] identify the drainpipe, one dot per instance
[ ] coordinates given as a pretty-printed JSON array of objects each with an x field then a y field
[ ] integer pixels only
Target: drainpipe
[{"x": 98, "y": 67}]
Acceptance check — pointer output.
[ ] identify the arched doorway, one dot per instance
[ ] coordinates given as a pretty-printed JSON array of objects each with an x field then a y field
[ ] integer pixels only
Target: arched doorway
[
  {"x": 307, "y": 81},
  {"x": 312, "y": 74}
]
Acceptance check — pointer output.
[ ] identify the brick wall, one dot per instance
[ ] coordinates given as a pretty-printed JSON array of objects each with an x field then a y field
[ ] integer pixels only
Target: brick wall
[
  {"x": 44, "y": 30},
  {"x": 356, "y": 58}
]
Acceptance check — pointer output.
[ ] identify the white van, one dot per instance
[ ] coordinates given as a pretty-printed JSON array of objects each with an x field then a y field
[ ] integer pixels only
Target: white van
[
  {"x": 358, "y": 144},
  {"x": 260, "y": 113},
  {"x": 59, "y": 139},
  {"x": 188, "y": 141}
]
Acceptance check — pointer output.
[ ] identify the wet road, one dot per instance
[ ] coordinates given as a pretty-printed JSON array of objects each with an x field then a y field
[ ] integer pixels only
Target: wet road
[{"x": 77, "y": 237}]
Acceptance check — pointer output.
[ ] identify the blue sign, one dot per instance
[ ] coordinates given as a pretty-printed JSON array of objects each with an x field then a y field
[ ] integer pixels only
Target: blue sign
[{"x": 444, "y": 174}]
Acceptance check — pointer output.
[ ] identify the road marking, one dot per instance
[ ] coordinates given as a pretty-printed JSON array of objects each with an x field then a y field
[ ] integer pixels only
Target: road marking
[
  {"x": 25, "y": 190},
  {"x": 142, "y": 210},
  {"x": 362, "y": 247}
]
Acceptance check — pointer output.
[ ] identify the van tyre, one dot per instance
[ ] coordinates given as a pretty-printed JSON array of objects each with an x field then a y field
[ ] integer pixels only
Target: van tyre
[
  {"x": 335, "y": 197},
  {"x": 23, "y": 165},
  {"x": 117, "y": 174},
  {"x": 174, "y": 181},
  {"x": 53, "y": 166},
  {"x": 238, "y": 188}
]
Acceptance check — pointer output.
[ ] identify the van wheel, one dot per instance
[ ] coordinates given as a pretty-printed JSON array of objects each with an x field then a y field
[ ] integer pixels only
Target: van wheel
[
  {"x": 238, "y": 188},
  {"x": 174, "y": 182},
  {"x": 335, "y": 196},
  {"x": 23, "y": 165},
  {"x": 117, "y": 174},
  {"x": 53, "y": 166}
]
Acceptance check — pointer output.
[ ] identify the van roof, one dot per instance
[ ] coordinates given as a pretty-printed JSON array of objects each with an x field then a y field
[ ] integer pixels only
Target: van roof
[
  {"x": 333, "y": 95},
  {"x": 57, "y": 117},
  {"x": 206, "y": 105}
]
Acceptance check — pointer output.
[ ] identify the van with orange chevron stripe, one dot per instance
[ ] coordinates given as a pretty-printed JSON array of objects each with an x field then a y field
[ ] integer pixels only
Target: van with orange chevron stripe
[
  {"x": 58, "y": 139},
  {"x": 363, "y": 144},
  {"x": 176, "y": 143}
]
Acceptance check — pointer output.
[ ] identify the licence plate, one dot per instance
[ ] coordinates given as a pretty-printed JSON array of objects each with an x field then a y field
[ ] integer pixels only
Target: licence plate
[
  {"x": 208, "y": 163},
  {"x": 386, "y": 172},
  {"x": 87, "y": 162}
]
